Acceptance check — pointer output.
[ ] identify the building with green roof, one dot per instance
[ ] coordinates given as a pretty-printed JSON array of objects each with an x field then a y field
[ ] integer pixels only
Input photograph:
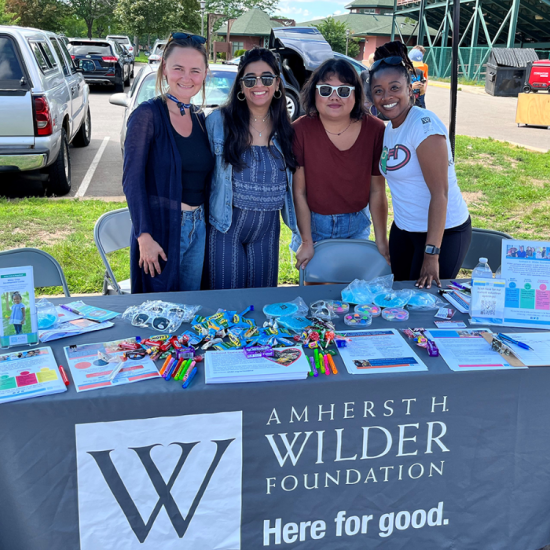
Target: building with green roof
[{"x": 251, "y": 29}]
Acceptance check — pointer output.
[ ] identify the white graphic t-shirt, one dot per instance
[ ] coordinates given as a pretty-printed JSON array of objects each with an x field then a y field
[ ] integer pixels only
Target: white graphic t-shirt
[{"x": 399, "y": 165}]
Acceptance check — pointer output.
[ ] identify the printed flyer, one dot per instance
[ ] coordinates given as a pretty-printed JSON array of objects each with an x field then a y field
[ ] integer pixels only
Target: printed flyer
[
  {"x": 19, "y": 322},
  {"x": 526, "y": 269}
]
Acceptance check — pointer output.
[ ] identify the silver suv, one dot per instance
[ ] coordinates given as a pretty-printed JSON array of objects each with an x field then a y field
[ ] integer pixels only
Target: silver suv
[{"x": 44, "y": 106}]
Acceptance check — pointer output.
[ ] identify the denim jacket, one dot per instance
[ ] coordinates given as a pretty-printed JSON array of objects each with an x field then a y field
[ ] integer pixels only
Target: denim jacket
[{"x": 221, "y": 191}]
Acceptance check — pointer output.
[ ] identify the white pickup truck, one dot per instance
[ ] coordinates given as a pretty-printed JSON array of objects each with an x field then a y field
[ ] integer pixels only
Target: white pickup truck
[{"x": 44, "y": 106}]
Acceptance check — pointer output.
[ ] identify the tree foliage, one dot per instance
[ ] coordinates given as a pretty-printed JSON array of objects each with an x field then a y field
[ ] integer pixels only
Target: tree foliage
[
  {"x": 335, "y": 34},
  {"x": 42, "y": 14},
  {"x": 158, "y": 17},
  {"x": 92, "y": 10},
  {"x": 6, "y": 17},
  {"x": 234, "y": 8}
]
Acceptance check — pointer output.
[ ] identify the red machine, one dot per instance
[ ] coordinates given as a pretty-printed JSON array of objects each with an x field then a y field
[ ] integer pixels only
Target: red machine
[{"x": 537, "y": 76}]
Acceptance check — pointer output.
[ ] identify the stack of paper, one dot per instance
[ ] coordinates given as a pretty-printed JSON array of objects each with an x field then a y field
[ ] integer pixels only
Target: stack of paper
[{"x": 226, "y": 367}]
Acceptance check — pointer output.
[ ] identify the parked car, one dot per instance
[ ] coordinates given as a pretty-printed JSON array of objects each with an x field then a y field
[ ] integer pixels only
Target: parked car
[
  {"x": 123, "y": 41},
  {"x": 156, "y": 52},
  {"x": 102, "y": 61},
  {"x": 300, "y": 50},
  {"x": 218, "y": 85},
  {"x": 44, "y": 106}
]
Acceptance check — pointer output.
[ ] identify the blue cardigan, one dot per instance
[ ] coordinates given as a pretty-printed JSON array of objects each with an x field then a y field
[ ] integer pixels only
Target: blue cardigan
[{"x": 152, "y": 183}]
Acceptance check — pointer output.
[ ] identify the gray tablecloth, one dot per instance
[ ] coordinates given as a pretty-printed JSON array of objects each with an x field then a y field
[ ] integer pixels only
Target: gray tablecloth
[{"x": 428, "y": 460}]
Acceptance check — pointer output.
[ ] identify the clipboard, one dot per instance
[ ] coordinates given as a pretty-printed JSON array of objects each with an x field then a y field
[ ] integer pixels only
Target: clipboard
[{"x": 505, "y": 351}]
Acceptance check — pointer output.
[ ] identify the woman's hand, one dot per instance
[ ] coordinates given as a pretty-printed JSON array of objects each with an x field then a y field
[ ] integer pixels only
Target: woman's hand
[
  {"x": 304, "y": 253},
  {"x": 384, "y": 249},
  {"x": 429, "y": 272},
  {"x": 149, "y": 252}
]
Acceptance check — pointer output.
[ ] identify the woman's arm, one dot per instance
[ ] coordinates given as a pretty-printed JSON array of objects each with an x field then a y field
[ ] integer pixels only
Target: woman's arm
[
  {"x": 378, "y": 205},
  {"x": 434, "y": 161},
  {"x": 303, "y": 216}
]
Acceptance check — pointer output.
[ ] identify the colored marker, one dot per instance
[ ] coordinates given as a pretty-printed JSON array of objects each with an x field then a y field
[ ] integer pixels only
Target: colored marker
[
  {"x": 332, "y": 365},
  {"x": 325, "y": 361},
  {"x": 178, "y": 367},
  {"x": 189, "y": 371},
  {"x": 164, "y": 365},
  {"x": 318, "y": 362},
  {"x": 170, "y": 368},
  {"x": 64, "y": 376},
  {"x": 313, "y": 371},
  {"x": 185, "y": 369},
  {"x": 190, "y": 378}
]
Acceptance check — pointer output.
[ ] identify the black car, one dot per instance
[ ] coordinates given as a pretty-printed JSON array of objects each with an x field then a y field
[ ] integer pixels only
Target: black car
[{"x": 102, "y": 62}]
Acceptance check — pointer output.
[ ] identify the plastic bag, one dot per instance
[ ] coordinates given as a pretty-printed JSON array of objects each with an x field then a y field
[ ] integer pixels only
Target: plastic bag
[
  {"x": 295, "y": 323},
  {"x": 424, "y": 301},
  {"x": 46, "y": 314},
  {"x": 363, "y": 292},
  {"x": 282, "y": 309},
  {"x": 322, "y": 310},
  {"x": 394, "y": 298},
  {"x": 162, "y": 316}
]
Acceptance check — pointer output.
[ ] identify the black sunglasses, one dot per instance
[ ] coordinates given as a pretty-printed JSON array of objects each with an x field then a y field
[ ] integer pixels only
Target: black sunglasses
[
  {"x": 197, "y": 39},
  {"x": 250, "y": 81},
  {"x": 392, "y": 61}
]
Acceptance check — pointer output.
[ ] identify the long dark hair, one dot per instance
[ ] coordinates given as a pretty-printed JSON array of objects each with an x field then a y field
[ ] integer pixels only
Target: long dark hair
[
  {"x": 236, "y": 116},
  {"x": 346, "y": 73},
  {"x": 391, "y": 49}
]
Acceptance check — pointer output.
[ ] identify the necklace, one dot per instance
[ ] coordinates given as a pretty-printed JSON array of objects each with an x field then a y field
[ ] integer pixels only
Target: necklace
[
  {"x": 339, "y": 133},
  {"x": 263, "y": 119},
  {"x": 256, "y": 129}
]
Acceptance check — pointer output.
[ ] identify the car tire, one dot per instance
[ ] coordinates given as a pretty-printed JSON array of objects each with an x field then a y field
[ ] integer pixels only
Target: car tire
[
  {"x": 132, "y": 72},
  {"x": 127, "y": 80},
  {"x": 84, "y": 134},
  {"x": 292, "y": 105},
  {"x": 59, "y": 180},
  {"x": 119, "y": 87}
]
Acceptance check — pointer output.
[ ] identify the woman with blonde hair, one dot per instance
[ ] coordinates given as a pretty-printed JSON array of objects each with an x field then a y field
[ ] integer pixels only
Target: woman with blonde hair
[{"x": 167, "y": 165}]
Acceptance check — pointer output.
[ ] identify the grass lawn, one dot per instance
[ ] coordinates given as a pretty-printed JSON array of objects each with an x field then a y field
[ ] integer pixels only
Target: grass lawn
[{"x": 507, "y": 188}]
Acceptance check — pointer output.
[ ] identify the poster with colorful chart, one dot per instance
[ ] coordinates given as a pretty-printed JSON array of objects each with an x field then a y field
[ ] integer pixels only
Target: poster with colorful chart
[
  {"x": 92, "y": 365},
  {"x": 19, "y": 322},
  {"x": 526, "y": 269},
  {"x": 27, "y": 374}
]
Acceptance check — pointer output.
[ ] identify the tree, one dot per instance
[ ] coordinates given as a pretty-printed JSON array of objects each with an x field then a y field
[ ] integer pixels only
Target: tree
[
  {"x": 6, "y": 17},
  {"x": 42, "y": 14},
  {"x": 335, "y": 34},
  {"x": 234, "y": 8},
  {"x": 90, "y": 10}
]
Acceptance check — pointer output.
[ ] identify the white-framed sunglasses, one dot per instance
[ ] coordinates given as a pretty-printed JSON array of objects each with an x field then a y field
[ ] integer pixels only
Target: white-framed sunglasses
[{"x": 325, "y": 90}]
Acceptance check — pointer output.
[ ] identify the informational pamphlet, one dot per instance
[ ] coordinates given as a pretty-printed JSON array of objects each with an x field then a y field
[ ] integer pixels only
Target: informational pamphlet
[
  {"x": 526, "y": 269},
  {"x": 378, "y": 351},
  {"x": 90, "y": 312},
  {"x": 487, "y": 305},
  {"x": 72, "y": 328},
  {"x": 29, "y": 374},
  {"x": 19, "y": 322},
  {"x": 226, "y": 367},
  {"x": 467, "y": 350},
  {"x": 92, "y": 365}
]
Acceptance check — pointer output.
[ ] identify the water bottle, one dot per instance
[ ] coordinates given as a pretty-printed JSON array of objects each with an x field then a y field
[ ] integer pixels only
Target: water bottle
[
  {"x": 482, "y": 270},
  {"x": 498, "y": 272}
]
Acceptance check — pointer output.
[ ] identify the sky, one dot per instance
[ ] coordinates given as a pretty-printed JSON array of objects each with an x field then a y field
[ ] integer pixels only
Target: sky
[{"x": 306, "y": 10}]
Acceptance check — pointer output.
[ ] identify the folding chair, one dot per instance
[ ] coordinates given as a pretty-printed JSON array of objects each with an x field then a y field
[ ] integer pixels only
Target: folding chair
[
  {"x": 112, "y": 232},
  {"x": 46, "y": 269},
  {"x": 343, "y": 260},
  {"x": 486, "y": 243}
]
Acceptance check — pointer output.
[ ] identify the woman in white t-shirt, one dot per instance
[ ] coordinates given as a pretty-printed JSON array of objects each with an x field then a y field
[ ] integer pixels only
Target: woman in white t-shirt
[{"x": 432, "y": 230}]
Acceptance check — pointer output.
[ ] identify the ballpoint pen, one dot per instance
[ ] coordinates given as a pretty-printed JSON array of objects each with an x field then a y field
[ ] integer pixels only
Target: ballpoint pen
[{"x": 516, "y": 342}]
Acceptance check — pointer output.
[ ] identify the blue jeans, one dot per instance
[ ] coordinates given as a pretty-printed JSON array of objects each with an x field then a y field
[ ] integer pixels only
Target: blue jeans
[
  {"x": 18, "y": 328},
  {"x": 192, "y": 246},
  {"x": 336, "y": 226}
]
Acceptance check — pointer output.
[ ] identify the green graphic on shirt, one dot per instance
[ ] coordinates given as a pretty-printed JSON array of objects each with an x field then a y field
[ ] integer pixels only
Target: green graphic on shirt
[{"x": 384, "y": 159}]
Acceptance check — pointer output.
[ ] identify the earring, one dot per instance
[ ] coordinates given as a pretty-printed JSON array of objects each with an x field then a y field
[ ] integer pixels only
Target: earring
[
  {"x": 277, "y": 96},
  {"x": 239, "y": 94}
]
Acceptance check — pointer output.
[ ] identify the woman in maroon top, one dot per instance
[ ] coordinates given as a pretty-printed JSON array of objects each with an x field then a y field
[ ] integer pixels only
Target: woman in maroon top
[{"x": 338, "y": 147}]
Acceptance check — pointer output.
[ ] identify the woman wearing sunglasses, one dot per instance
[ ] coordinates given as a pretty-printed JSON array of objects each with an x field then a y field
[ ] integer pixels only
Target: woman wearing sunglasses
[
  {"x": 431, "y": 231},
  {"x": 167, "y": 164},
  {"x": 251, "y": 137},
  {"x": 337, "y": 147}
]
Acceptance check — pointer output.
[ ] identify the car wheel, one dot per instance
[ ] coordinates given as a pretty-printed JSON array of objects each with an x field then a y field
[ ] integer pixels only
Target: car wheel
[
  {"x": 59, "y": 181},
  {"x": 292, "y": 106},
  {"x": 84, "y": 134},
  {"x": 119, "y": 86},
  {"x": 132, "y": 73},
  {"x": 127, "y": 80}
]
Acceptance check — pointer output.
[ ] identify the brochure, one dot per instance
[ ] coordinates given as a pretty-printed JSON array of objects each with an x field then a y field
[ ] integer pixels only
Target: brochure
[
  {"x": 226, "y": 367},
  {"x": 526, "y": 269},
  {"x": 29, "y": 374},
  {"x": 91, "y": 366},
  {"x": 72, "y": 328},
  {"x": 487, "y": 305},
  {"x": 90, "y": 312},
  {"x": 19, "y": 322},
  {"x": 467, "y": 350},
  {"x": 378, "y": 351}
]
